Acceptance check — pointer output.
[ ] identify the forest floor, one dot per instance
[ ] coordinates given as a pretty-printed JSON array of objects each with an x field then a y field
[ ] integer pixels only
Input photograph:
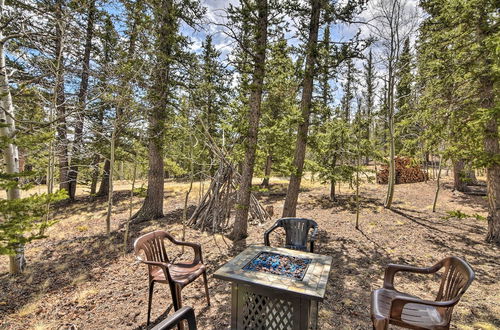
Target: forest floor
[{"x": 79, "y": 278}]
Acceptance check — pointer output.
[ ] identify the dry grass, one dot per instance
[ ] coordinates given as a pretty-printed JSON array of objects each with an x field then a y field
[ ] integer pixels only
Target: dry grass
[{"x": 80, "y": 276}]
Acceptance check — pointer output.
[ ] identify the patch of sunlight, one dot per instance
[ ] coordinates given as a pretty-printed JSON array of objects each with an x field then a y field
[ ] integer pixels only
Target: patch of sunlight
[
  {"x": 28, "y": 309},
  {"x": 35, "y": 249},
  {"x": 324, "y": 313},
  {"x": 82, "y": 296},
  {"x": 464, "y": 327},
  {"x": 61, "y": 266},
  {"x": 79, "y": 279},
  {"x": 399, "y": 223},
  {"x": 484, "y": 326},
  {"x": 43, "y": 326},
  {"x": 82, "y": 228},
  {"x": 46, "y": 284},
  {"x": 379, "y": 209},
  {"x": 347, "y": 302}
]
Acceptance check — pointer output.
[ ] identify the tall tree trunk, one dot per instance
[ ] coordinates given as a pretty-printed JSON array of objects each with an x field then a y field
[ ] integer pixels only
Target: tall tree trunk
[
  {"x": 332, "y": 190},
  {"x": 290, "y": 206},
  {"x": 152, "y": 207},
  {"x": 110, "y": 181},
  {"x": 60, "y": 99},
  {"x": 491, "y": 146},
  {"x": 491, "y": 143},
  {"x": 95, "y": 174},
  {"x": 130, "y": 206},
  {"x": 393, "y": 56},
  {"x": 267, "y": 171},
  {"x": 82, "y": 99},
  {"x": 10, "y": 152},
  {"x": 243, "y": 201},
  {"x": 357, "y": 190},
  {"x": 458, "y": 175},
  {"x": 104, "y": 187},
  {"x": 437, "y": 184}
]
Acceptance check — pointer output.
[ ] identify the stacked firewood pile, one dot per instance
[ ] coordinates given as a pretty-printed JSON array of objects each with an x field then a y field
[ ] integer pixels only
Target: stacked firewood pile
[{"x": 406, "y": 172}]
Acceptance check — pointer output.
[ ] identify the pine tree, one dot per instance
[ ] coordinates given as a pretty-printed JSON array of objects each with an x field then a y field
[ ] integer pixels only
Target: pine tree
[
  {"x": 77, "y": 151},
  {"x": 210, "y": 91},
  {"x": 369, "y": 97},
  {"x": 168, "y": 53},
  {"x": 335, "y": 12},
  {"x": 258, "y": 50},
  {"x": 458, "y": 66},
  {"x": 279, "y": 110},
  {"x": 292, "y": 194}
]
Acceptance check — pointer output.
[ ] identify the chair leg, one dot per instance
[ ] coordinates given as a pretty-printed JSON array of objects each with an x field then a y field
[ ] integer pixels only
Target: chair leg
[
  {"x": 380, "y": 324},
  {"x": 178, "y": 294},
  {"x": 178, "y": 303},
  {"x": 206, "y": 286},
  {"x": 150, "y": 298},
  {"x": 173, "y": 292}
]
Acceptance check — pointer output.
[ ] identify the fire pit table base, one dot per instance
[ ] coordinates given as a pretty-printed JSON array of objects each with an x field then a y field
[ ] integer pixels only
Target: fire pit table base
[
  {"x": 263, "y": 308},
  {"x": 275, "y": 288}
]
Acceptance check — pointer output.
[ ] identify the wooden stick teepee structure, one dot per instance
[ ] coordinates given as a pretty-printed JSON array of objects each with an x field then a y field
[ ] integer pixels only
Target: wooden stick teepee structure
[{"x": 214, "y": 211}]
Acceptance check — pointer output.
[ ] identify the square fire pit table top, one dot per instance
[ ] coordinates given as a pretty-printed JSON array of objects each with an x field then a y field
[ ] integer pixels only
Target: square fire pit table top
[{"x": 312, "y": 285}]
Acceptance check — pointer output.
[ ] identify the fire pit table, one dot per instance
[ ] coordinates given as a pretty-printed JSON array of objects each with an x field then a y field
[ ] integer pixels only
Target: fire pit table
[{"x": 275, "y": 288}]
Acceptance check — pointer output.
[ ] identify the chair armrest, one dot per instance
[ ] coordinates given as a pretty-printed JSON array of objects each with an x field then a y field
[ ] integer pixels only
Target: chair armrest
[
  {"x": 314, "y": 234},
  {"x": 195, "y": 246},
  {"x": 392, "y": 269},
  {"x": 162, "y": 265},
  {"x": 198, "y": 256},
  {"x": 268, "y": 232},
  {"x": 185, "y": 313},
  {"x": 399, "y": 302}
]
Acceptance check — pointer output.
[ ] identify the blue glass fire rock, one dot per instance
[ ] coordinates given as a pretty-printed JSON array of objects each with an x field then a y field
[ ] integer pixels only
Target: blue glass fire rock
[{"x": 279, "y": 264}]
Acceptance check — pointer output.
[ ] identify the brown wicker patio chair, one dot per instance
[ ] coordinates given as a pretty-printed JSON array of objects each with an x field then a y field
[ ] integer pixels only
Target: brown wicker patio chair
[
  {"x": 390, "y": 306},
  {"x": 296, "y": 231},
  {"x": 161, "y": 270}
]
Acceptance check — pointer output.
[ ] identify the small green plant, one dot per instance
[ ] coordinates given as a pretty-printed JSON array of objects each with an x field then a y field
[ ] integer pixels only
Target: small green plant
[
  {"x": 461, "y": 215},
  {"x": 141, "y": 191},
  {"x": 479, "y": 217},
  {"x": 456, "y": 214},
  {"x": 23, "y": 220}
]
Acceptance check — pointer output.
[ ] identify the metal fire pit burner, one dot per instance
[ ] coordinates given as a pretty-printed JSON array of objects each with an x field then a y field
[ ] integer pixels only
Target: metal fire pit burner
[{"x": 279, "y": 264}]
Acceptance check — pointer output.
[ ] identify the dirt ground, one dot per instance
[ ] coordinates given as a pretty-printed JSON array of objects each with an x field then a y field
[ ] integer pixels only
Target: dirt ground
[{"x": 79, "y": 278}]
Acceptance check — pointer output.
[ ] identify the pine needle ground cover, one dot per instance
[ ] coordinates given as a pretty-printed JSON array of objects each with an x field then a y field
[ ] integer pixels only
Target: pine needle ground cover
[{"x": 79, "y": 277}]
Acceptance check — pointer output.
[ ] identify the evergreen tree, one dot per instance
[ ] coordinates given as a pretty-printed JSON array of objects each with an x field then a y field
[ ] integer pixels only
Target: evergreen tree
[
  {"x": 292, "y": 194},
  {"x": 279, "y": 110},
  {"x": 257, "y": 49},
  {"x": 369, "y": 97},
  {"x": 458, "y": 66},
  {"x": 334, "y": 13},
  {"x": 168, "y": 54},
  {"x": 210, "y": 94}
]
